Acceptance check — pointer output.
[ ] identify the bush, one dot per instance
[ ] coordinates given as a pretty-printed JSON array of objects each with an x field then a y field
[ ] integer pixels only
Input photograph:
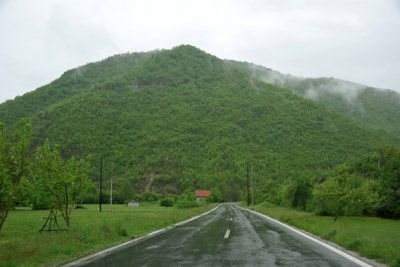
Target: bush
[
  {"x": 187, "y": 200},
  {"x": 166, "y": 202},
  {"x": 215, "y": 197},
  {"x": 186, "y": 204},
  {"x": 122, "y": 231},
  {"x": 397, "y": 262},
  {"x": 151, "y": 196},
  {"x": 90, "y": 197},
  {"x": 41, "y": 204}
]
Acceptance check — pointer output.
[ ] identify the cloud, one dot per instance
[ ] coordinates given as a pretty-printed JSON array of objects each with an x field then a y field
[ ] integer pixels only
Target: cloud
[
  {"x": 309, "y": 88},
  {"x": 348, "y": 91},
  {"x": 41, "y": 42},
  {"x": 354, "y": 40}
]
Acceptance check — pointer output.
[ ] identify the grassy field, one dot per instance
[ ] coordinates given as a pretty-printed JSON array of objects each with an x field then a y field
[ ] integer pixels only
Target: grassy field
[
  {"x": 374, "y": 238},
  {"x": 21, "y": 244}
]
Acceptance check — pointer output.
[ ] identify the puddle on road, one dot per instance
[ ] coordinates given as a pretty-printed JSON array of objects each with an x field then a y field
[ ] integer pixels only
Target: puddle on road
[
  {"x": 189, "y": 227},
  {"x": 153, "y": 247}
]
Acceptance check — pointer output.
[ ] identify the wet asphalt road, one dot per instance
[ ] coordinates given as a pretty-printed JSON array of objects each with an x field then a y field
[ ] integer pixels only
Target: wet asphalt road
[{"x": 228, "y": 236}]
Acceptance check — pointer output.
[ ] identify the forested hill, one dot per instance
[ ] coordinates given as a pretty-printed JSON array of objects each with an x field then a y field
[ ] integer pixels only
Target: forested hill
[
  {"x": 178, "y": 114},
  {"x": 72, "y": 82},
  {"x": 375, "y": 108}
]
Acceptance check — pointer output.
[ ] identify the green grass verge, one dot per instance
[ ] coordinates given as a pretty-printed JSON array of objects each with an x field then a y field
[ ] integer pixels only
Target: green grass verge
[
  {"x": 372, "y": 237},
  {"x": 22, "y": 245}
]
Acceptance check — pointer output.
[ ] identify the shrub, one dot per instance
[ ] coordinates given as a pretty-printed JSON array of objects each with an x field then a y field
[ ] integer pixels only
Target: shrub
[
  {"x": 122, "y": 231},
  {"x": 151, "y": 196},
  {"x": 40, "y": 204},
  {"x": 215, "y": 196},
  {"x": 186, "y": 204},
  {"x": 166, "y": 202},
  {"x": 187, "y": 200}
]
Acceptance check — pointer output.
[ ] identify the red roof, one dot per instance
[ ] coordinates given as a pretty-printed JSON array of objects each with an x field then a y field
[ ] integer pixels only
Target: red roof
[{"x": 202, "y": 193}]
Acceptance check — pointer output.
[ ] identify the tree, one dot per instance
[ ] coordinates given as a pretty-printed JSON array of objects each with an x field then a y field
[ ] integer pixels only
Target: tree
[
  {"x": 13, "y": 165},
  {"x": 346, "y": 194},
  {"x": 63, "y": 181},
  {"x": 215, "y": 196},
  {"x": 187, "y": 200},
  {"x": 386, "y": 169},
  {"x": 299, "y": 192}
]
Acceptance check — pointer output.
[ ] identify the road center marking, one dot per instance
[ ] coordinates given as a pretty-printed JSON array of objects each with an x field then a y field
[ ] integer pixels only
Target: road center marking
[{"x": 227, "y": 233}]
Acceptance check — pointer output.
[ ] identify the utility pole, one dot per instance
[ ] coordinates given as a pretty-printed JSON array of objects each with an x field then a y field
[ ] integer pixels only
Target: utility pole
[
  {"x": 252, "y": 187},
  {"x": 248, "y": 186},
  {"x": 111, "y": 183},
  {"x": 101, "y": 182}
]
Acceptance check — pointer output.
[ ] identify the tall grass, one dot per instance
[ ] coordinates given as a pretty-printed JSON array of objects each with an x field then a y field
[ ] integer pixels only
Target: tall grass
[
  {"x": 372, "y": 237},
  {"x": 21, "y": 244}
]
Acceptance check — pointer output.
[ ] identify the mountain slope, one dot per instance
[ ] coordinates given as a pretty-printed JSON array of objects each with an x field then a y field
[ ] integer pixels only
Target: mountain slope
[
  {"x": 182, "y": 113},
  {"x": 72, "y": 82},
  {"x": 375, "y": 108}
]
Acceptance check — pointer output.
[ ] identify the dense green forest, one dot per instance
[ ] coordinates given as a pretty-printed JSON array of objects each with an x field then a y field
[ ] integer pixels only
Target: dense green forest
[
  {"x": 375, "y": 108},
  {"x": 368, "y": 186},
  {"x": 163, "y": 119}
]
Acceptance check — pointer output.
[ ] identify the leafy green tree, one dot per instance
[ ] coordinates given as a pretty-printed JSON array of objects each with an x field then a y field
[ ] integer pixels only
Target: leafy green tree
[
  {"x": 215, "y": 196},
  {"x": 187, "y": 200},
  {"x": 62, "y": 181},
  {"x": 383, "y": 167},
  {"x": 123, "y": 190},
  {"x": 13, "y": 165},
  {"x": 299, "y": 192},
  {"x": 363, "y": 198},
  {"x": 346, "y": 194}
]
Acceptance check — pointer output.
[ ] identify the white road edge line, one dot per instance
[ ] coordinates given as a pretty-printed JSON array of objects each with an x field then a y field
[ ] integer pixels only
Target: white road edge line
[
  {"x": 337, "y": 251},
  {"x": 227, "y": 233},
  {"x": 137, "y": 240}
]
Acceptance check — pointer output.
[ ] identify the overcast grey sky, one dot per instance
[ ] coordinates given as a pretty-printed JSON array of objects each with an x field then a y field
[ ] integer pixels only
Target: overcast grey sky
[{"x": 355, "y": 40}]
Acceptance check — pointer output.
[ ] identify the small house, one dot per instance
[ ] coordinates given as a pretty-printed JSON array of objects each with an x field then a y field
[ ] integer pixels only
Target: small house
[
  {"x": 202, "y": 195},
  {"x": 133, "y": 204}
]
